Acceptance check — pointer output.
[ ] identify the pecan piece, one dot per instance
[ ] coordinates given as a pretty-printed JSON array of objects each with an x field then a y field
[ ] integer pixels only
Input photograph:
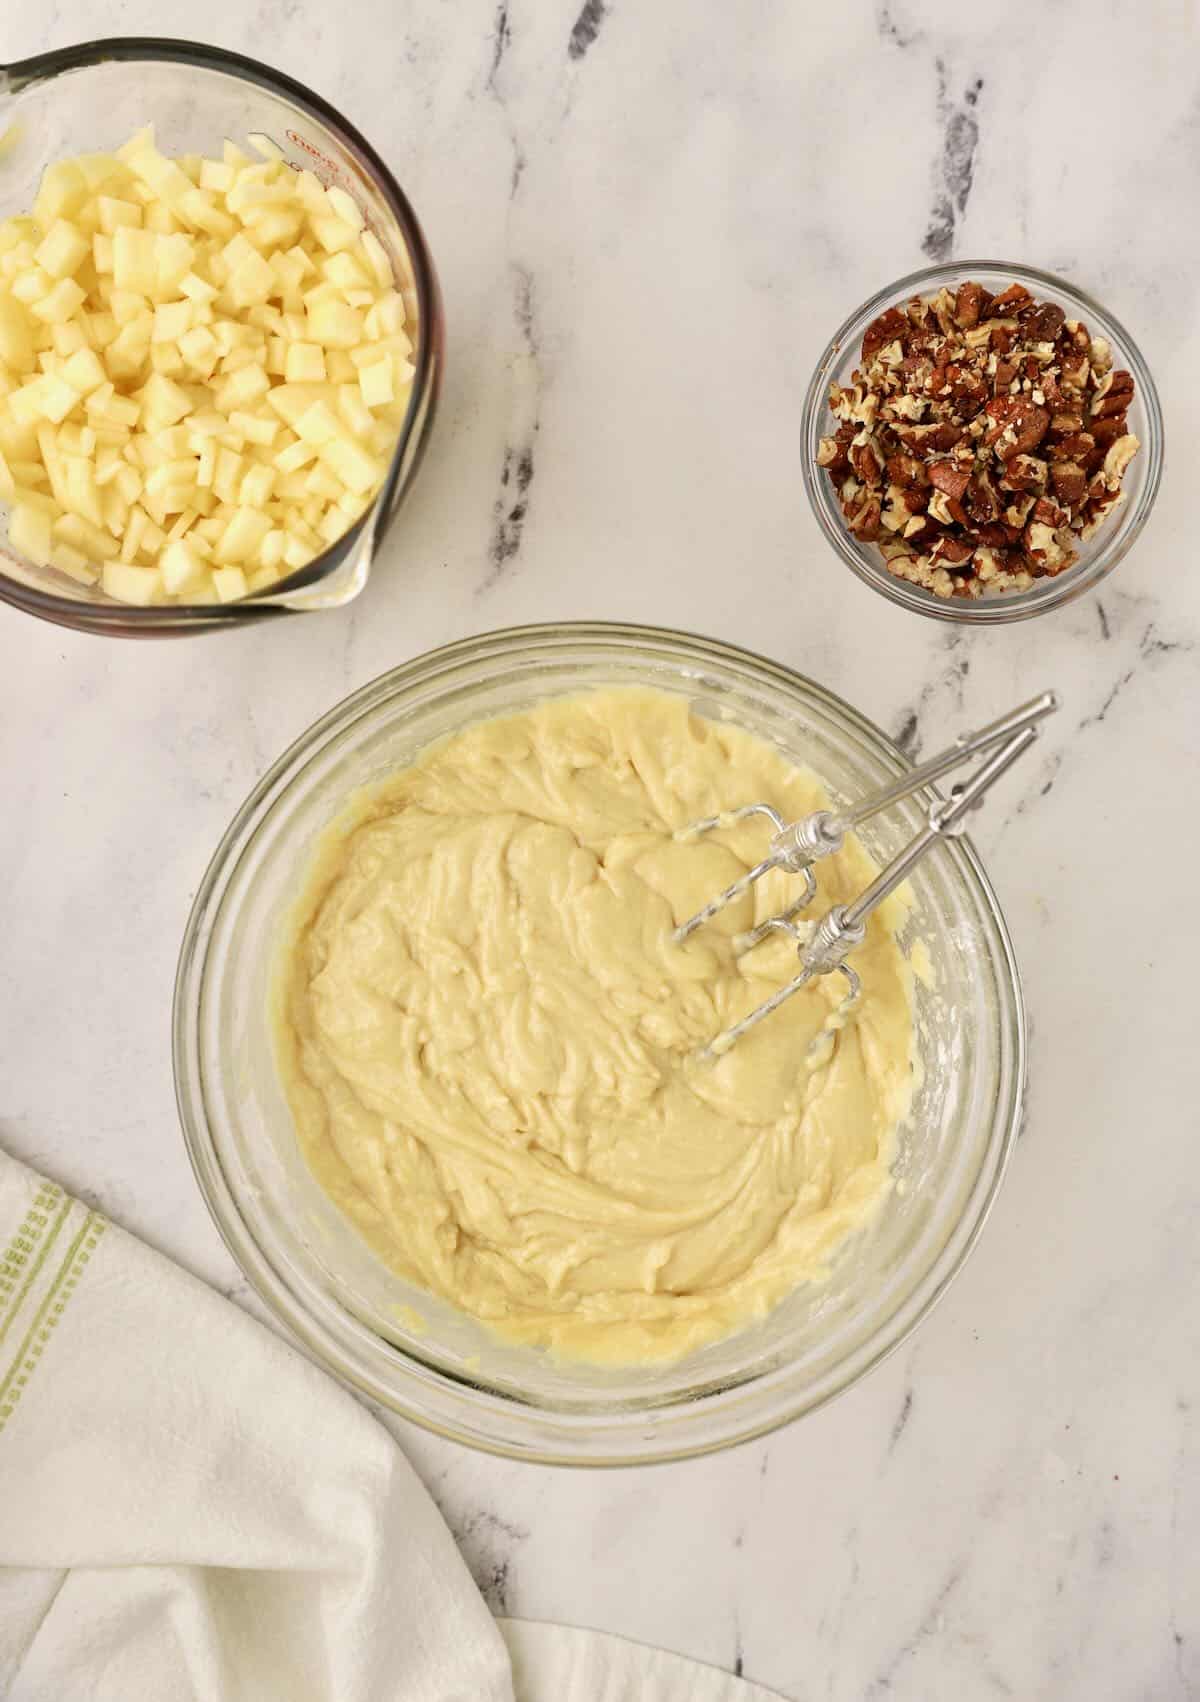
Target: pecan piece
[
  {"x": 1107, "y": 429},
  {"x": 1016, "y": 295},
  {"x": 946, "y": 476},
  {"x": 1120, "y": 454},
  {"x": 981, "y": 501},
  {"x": 864, "y": 516},
  {"x": 1073, "y": 375},
  {"x": 1075, "y": 445},
  {"x": 832, "y": 454},
  {"x": 1113, "y": 395},
  {"x": 951, "y": 552},
  {"x": 969, "y": 305},
  {"x": 947, "y": 509},
  {"x": 1048, "y": 513},
  {"x": 1043, "y": 548},
  {"x": 1018, "y": 425},
  {"x": 1024, "y": 473},
  {"x": 866, "y": 460},
  {"x": 896, "y": 513},
  {"x": 1069, "y": 481},
  {"x": 1046, "y": 322},
  {"x": 907, "y": 472},
  {"x": 890, "y": 327}
]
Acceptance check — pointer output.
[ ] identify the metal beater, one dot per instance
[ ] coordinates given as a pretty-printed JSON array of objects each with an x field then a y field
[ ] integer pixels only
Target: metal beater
[{"x": 824, "y": 945}]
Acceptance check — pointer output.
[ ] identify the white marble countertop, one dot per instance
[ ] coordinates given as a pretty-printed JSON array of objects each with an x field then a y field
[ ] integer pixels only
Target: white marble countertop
[{"x": 647, "y": 220}]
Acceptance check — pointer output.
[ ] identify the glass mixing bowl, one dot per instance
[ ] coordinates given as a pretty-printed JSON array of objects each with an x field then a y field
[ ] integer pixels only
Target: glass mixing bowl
[
  {"x": 421, "y": 1357},
  {"x": 93, "y": 97},
  {"x": 1098, "y": 555}
]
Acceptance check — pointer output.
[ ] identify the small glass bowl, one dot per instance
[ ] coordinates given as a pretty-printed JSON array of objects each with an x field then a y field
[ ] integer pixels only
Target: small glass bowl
[
  {"x": 94, "y": 96},
  {"x": 1098, "y": 555},
  {"x": 419, "y": 1356}
]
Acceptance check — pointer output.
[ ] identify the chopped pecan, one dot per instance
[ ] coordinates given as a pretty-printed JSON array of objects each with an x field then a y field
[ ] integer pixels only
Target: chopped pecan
[
  {"x": 891, "y": 326},
  {"x": 1046, "y": 322},
  {"x": 864, "y": 516},
  {"x": 1018, "y": 509},
  {"x": 1069, "y": 481},
  {"x": 1075, "y": 371},
  {"x": 951, "y": 552},
  {"x": 1014, "y": 296},
  {"x": 969, "y": 304},
  {"x": 1120, "y": 454},
  {"x": 832, "y": 454},
  {"x": 947, "y": 510},
  {"x": 907, "y": 471},
  {"x": 1048, "y": 513},
  {"x": 948, "y": 477},
  {"x": 1107, "y": 429},
  {"x": 866, "y": 460},
  {"x": 1045, "y": 549},
  {"x": 895, "y": 514},
  {"x": 1018, "y": 425},
  {"x": 1074, "y": 445},
  {"x": 1113, "y": 395},
  {"x": 1024, "y": 473},
  {"x": 977, "y": 437},
  {"x": 981, "y": 501}
]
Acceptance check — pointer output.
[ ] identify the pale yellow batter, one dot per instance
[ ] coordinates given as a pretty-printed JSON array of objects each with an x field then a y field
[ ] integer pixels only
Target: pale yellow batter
[{"x": 488, "y": 1037}]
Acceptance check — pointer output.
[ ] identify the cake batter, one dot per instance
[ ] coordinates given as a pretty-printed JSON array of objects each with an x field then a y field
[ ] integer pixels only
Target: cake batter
[{"x": 487, "y": 1035}]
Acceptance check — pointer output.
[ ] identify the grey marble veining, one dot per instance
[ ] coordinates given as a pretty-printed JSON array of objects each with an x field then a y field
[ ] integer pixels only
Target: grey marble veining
[{"x": 647, "y": 219}]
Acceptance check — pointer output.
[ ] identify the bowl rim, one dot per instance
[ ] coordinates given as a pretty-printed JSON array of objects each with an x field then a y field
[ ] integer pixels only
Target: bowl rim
[
  {"x": 129, "y": 620},
  {"x": 466, "y": 1407},
  {"x": 1003, "y": 607}
]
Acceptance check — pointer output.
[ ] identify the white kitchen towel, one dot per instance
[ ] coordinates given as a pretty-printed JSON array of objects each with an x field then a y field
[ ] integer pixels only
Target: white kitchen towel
[
  {"x": 191, "y": 1512},
  {"x": 553, "y": 1663}
]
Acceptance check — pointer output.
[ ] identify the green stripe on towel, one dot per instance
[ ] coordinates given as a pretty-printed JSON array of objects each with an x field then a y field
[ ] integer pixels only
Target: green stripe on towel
[{"x": 54, "y": 1304}]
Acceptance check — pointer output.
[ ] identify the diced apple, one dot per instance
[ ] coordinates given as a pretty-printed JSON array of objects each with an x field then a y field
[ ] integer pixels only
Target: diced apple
[
  {"x": 84, "y": 371},
  {"x": 16, "y": 335},
  {"x": 257, "y": 486},
  {"x": 67, "y": 559},
  {"x": 334, "y": 324},
  {"x": 62, "y": 249},
  {"x": 195, "y": 288},
  {"x": 112, "y": 213},
  {"x": 30, "y": 532},
  {"x": 305, "y": 363},
  {"x": 251, "y": 281},
  {"x": 216, "y": 175},
  {"x": 62, "y": 193},
  {"x": 60, "y": 302},
  {"x": 254, "y": 428},
  {"x": 130, "y": 584},
  {"x": 134, "y": 261},
  {"x": 92, "y": 540},
  {"x": 181, "y": 567},
  {"x": 375, "y": 383},
  {"x": 229, "y": 583},
  {"x": 376, "y": 254},
  {"x": 150, "y": 349},
  {"x": 345, "y": 207}
]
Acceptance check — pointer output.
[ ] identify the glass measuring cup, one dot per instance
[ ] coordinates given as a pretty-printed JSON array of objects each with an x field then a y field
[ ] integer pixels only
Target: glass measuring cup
[{"x": 91, "y": 98}]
